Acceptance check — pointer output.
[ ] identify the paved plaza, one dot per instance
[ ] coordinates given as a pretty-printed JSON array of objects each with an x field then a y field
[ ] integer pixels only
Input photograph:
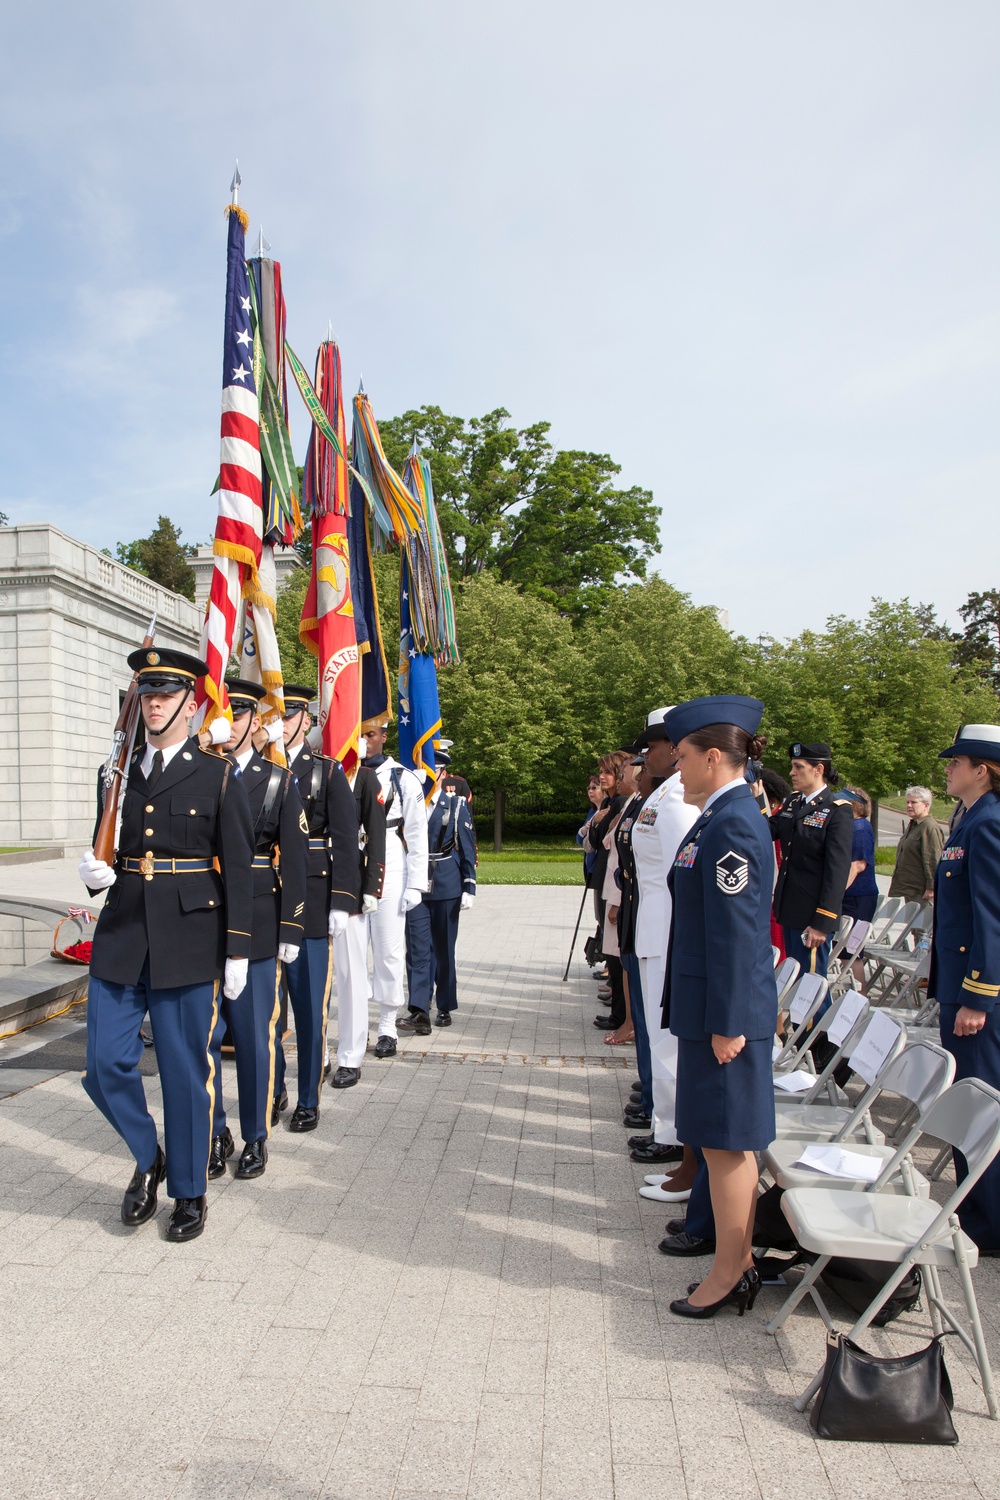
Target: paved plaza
[{"x": 452, "y": 1288}]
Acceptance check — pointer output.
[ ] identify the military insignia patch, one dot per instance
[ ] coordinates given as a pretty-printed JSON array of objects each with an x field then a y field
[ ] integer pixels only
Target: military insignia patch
[
  {"x": 152, "y": 658},
  {"x": 303, "y": 824},
  {"x": 816, "y": 819},
  {"x": 956, "y": 853},
  {"x": 731, "y": 873},
  {"x": 647, "y": 817},
  {"x": 686, "y": 857}
]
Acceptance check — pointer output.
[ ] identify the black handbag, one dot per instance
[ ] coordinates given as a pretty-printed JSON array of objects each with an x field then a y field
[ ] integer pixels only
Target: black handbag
[
  {"x": 857, "y": 1282},
  {"x": 866, "y": 1399},
  {"x": 592, "y": 949}
]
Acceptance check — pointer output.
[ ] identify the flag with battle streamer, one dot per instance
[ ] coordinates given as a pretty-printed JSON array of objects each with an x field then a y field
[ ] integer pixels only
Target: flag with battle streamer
[
  {"x": 327, "y": 626},
  {"x": 239, "y": 528}
]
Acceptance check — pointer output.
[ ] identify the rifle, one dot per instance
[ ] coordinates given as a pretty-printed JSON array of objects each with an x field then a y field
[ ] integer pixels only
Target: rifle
[{"x": 115, "y": 767}]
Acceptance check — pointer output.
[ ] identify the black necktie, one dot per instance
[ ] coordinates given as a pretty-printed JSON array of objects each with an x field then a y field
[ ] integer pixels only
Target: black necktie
[{"x": 156, "y": 770}]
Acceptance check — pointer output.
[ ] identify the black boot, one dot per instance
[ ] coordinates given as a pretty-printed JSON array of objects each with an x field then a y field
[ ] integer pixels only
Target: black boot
[{"x": 139, "y": 1202}]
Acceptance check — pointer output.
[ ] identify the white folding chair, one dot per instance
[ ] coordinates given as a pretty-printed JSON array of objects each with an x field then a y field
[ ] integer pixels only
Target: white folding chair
[
  {"x": 840, "y": 937},
  {"x": 836, "y": 1023},
  {"x": 808, "y": 1120},
  {"x": 919, "y": 1076},
  {"x": 785, "y": 976},
  {"x": 805, "y": 1000},
  {"x": 853, "y": 946},
  {"x": 904, "y": 1231}
]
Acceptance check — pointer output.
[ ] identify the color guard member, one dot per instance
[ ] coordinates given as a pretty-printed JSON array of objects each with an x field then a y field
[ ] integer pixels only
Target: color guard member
[
  {"x": 281, "y": 839},
  {"x": 172, "y": 923},
  {"x": 350, "y": 947}
]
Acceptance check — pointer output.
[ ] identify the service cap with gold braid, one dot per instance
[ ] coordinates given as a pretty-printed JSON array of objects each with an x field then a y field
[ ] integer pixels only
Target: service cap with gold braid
[
  {"x": 297, "y": 698},
  {"x": 163, "y": 671},
  {"x": 244, "y": 696}
]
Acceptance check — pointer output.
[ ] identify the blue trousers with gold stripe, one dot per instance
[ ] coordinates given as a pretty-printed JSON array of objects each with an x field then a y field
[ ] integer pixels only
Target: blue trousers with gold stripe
[
  {"x": 250, "y": 1022},
  {"x": 309, "y": 979},
  {"x": 183, "y": 1021}
]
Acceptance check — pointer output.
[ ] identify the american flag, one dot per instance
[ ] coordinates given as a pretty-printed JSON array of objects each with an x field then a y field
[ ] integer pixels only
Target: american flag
[{"x": 239, "y": 527}]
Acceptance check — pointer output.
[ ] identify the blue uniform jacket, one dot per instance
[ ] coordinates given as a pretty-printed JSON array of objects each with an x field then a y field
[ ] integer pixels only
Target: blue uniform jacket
[
  {"x": 965, "y": 961},
  {"x": 720, "y": 969},
  {"x": 451, "y": 848}
]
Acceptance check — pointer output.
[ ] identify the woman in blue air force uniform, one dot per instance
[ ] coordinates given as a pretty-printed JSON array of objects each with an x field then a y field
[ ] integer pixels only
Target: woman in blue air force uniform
[{"x": 719, "y": 997}]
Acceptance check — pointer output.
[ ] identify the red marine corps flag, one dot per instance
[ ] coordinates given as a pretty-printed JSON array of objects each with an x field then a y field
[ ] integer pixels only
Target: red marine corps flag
[
  {"x": 239, "y": 527},
  {"x": 327, "y": 624}
]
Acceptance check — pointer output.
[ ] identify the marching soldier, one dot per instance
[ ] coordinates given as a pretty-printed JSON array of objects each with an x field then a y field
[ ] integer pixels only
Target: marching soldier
[
  {"x": 331, "y": 889},
  {"x": 405, "y": 881},
  {"x": 281, "y": 839},
  {"x": 176, "y": 918},
  {"x": 350, "y": 947},
  {"x": 432, "y": 927}
]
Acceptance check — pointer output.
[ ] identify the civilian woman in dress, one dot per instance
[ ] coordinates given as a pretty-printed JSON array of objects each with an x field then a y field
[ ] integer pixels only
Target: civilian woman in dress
[
  {"x": 861, "y": 895},
  {"x": 720, "y": 999}
]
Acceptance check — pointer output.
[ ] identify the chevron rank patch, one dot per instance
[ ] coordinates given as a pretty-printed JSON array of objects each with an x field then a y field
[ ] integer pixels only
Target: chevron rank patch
[
  {"x": 303, "y": 824},
  {"x": 731, "y": 873}
]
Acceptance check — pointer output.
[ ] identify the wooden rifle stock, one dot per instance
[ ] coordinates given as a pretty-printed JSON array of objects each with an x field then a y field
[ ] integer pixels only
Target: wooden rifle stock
[{"x": 116, "y": 765}]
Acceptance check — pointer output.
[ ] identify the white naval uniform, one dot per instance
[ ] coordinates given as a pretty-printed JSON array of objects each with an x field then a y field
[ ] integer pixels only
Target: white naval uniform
[
  {"x": 404, "y": 868},
  {"x": 657, "y": 833}
]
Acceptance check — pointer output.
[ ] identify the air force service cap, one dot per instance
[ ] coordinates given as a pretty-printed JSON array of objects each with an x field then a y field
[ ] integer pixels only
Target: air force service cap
[
  {"x": 722, "y": 708},
  {"x": 244, "y": 696},
  {"x": 979, "y": 741},
  {"x": 165, "y": 671}
]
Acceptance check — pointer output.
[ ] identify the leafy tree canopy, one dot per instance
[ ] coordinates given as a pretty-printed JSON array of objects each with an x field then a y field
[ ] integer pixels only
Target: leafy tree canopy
[
  {"x": 551, "y": 522},
  {"x": 162, "y": 557}
]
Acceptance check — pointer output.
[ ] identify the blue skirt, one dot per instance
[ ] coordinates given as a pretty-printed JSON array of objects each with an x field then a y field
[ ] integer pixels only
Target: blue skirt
[{"x": 726, "y": 1107}]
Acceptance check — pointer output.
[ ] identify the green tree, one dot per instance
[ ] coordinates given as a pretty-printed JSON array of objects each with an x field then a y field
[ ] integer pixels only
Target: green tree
[
  {"x": 162, "y": 557},
  {"x": 509, "y": 705},
  {"x": 297, "y": 662},
  {"x": 978, "y": 647},
  {"x": 551, "y": 522}
]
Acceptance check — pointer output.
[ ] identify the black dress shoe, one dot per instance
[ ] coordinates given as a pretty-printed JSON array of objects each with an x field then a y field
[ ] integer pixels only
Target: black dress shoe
[
  {"x": 443, "y": 1018},
  {"x": 253, "y": 1160},
  {"x": 279, "y": 1106},
  {"x": 385, "y": 1046},
  {"x": 640, "y": 1140},
  {"x": 345, "y": 1078},
  {"x": 675, "y": 1226},
  {"x": 634, "y": 1119},
  {"x": 636, "y": 1091},
  {"x": 223, "y": 1147},
  {"x": 631, "y": 1110},
  {"x": 187, "y": 1220},
  {"x": 139, "y": 1202},
  {"x": 654, "y": 1152},
  {"x": 604, "y": 1023},
  {"x": 685, "y": 1244},
  {"x": 743, "y": 1294},
  {"x": 145, "y": 1038},
  {"x": 303, "y": 1118},
  {"x": 418, "y": 1021}
]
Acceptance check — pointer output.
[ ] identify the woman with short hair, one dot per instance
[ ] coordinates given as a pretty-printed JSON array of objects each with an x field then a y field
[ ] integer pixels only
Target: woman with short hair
[{"x": 919, "y": 849}]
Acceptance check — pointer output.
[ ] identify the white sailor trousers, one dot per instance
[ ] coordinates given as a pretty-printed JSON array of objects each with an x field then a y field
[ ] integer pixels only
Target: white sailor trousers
[
  {"x": 387, "y": 934},
  {"x": 350, "y": 962},
  {"x": 662, "y": 1050}
]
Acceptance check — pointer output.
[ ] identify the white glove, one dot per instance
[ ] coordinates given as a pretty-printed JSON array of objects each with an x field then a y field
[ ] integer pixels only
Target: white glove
[
  {"x": 412, "y": 897},
  {"x": 467, "y": 901},
  {"x": 287, "y": 953},
  {"x": 274, "y": 731},
  {"x": 235, "y": 981},
  {"x": 95, "y": 874},
  {"x": 338, "y": 923},
  {"x": 220, "y": 731},
  {"x": 368, "y": 905}
]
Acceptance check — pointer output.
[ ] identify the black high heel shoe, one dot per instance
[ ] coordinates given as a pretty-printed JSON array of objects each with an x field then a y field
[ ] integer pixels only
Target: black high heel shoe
[{"x": 743, "y": 1296}]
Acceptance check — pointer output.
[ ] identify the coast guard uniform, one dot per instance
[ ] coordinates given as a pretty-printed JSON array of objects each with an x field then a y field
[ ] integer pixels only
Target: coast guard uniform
[
  {"x": 331, "y": 819},
  {"x": 350, "y": 949},
  {"x": 965, "y": 962},
  {"x": 816, "y": 834},
  {"x": 179, "y": 907},
  {"x": 432, "y": 927},
  {"x": 405, "y": 878},
  {"x": 279, "y": 897}
]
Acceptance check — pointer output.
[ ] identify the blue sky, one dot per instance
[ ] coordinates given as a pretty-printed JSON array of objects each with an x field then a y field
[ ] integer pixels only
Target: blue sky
[{"x": 750, "y": 251}]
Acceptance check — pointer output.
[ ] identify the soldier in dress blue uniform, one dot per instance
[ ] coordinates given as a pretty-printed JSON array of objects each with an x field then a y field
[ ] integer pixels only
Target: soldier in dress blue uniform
[
  {"x": 176, "y": 918},
  {"x": 432, "y": 926},
  {"x": 331, "y": 884},
  {"x": 281, "y": 838},
  {"x": 965, "y": 959},
  {"x": 720, "y": 998},
  {"x": 816, "y": 832}
]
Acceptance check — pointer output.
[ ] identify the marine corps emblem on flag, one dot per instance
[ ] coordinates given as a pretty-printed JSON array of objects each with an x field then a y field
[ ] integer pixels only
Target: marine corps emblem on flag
[{"x": 731, "y": 873}]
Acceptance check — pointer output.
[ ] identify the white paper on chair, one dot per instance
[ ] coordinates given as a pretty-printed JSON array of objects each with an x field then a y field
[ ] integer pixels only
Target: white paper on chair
[
  {"x": 877, "y": 1041},
  {"x": 846, "y": 1018},
  {"x": 857, "y": 936},
  {"x": 776, "y": 1051},
  {"x": 803, "y": 998},
  {"x": 836, "y": 1162},
  {"x": 798, "y": 1082}
]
